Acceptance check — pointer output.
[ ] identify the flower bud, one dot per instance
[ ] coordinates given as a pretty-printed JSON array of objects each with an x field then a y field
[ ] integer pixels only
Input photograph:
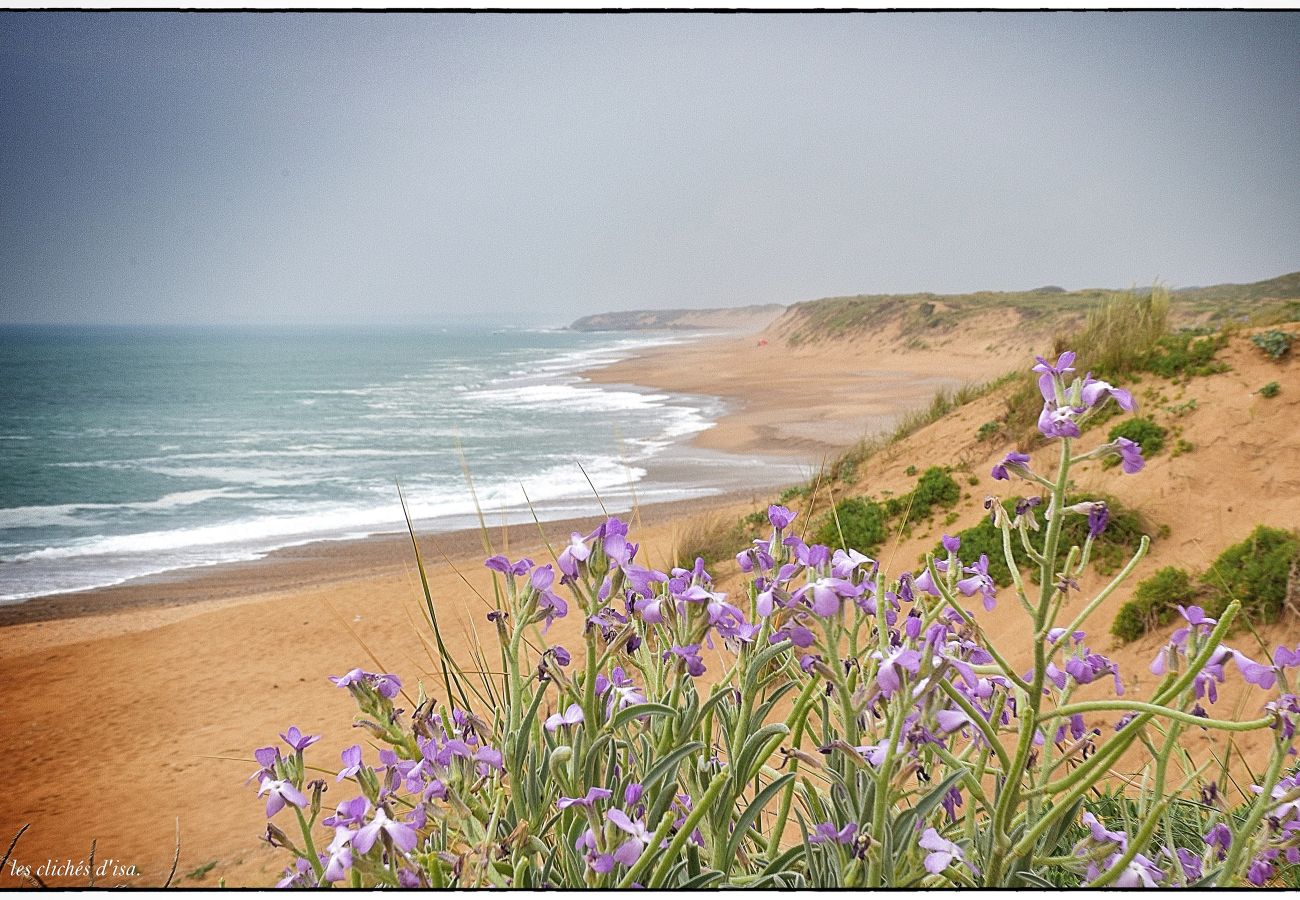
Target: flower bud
[{"x": 560, "y": 756}]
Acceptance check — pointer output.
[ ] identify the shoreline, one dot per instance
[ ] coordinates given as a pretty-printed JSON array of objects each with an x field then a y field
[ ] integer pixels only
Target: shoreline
[{"x": 325, "y": 562}]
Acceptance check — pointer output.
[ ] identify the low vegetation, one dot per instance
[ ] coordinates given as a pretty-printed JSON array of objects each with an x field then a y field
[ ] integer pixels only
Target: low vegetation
[
  {"x": 1261, "y": 573},
  {"x": 1276, "y": 344}
]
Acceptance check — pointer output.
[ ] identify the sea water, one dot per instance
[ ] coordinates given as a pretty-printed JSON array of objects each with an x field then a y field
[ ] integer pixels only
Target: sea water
[{"x": 128, "y": 452}]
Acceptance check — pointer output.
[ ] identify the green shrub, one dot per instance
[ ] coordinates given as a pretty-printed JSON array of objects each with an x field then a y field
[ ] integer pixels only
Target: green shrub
[
  {"x": 988, "y": 431},
  {"x": 1276, "y": 344},
  {"x": 1270, "y": 390},
  {"x": 934, "y": 488},
  {"x": 910, "y": 471},
  {"x": 1255, "y": 571},
  {"x": 1184, "y": 353},
  {"x": 1153, "y": 604},
  {"x": 1143, "y": 431},
  {"x": 862, "y": 524}
]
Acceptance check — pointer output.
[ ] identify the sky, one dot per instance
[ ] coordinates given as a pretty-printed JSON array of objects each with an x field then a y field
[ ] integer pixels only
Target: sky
[{"x": 294, "y": 169}]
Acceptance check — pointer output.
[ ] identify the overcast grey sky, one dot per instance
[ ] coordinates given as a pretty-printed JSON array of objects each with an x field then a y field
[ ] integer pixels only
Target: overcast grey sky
[{"x": 278, "y": 169}]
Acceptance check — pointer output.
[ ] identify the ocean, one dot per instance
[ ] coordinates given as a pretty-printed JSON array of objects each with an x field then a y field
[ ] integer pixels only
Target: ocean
[{"x": 130, "y": 452}]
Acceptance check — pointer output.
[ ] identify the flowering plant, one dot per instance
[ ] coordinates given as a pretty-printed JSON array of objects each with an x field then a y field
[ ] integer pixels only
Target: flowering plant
[{"x": 865, "y": 729}]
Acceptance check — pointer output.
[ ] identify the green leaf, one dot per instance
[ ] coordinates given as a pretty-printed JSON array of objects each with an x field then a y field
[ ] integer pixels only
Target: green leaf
[
  {"x": 783, "y": 861},
  {"x": 701, "y": 881},
  {"x": 745, "y": 762},
  {"x": 746, "y": 818},
  {"x": 1029, "y": 879},
  {"x": 763, "y": 657},
  {"x": 636, "y": 711}
]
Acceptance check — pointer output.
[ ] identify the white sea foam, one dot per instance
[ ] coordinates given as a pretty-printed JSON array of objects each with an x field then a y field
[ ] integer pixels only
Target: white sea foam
[{"x": 275, "y": 478}]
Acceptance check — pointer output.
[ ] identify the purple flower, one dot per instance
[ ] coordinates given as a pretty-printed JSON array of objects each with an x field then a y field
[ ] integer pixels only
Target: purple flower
[
  {"x": 266, "y": 757},
  {"x": 780, "y": 517},
  {"x": 1255, "y": 673},
  {"x": 1140, "y": 872},
  {"x": 297, "y": 875},
  {"x": 1287, "y": 709},
  {"x": 1190, "y": 862},
  {"x": 402, "y": 835},
  {"x": 951, "y": 719},
  {"x": 1220, "y": 838},
  {"x": 571, "y": 716},
  {"x": 622, "y": 692},
  {"x": 1058, "y": 421},
  {"x": 1130, "y": 453},
  {"x": 576, "y": 552},
  {"x": 874, "y": 754},
  {"x": 297, "y": 740},
  {"x": 356, "y": 676},
  {"x": 593, "y": 796},
  {"x": 351, "y": 762},
  {"x": 1260, "y": 871},
  {"x": 942, "y": 852},
  {"x": 350, "y": 812},
  {"x": 845, "y": 562},
  {"x": 827, "y": 594},
  {"x": 488, "y": 759},
  {"x": 340, "y": 855},
  {"x": 629, "y": 851},
  {"x": 888, "y": 676},
  {"x": 632, "y": 794},
  {"x": 388, "y": 686},
  {"x": 1098, "y": 518},
  {"x": 549, "y": 604},
  {"x": 280, "y": 792},
  {"x": 1087, "y": 668},
  {"x": 950, "y": 543},
  {"x": 506, "y": 567},
  {"x": 1095, "y": 392},
  {"x": 826, "y": 832},
  {"x": 980, "y": 582},
  {"x": 1286, "y": 658},
  {"x": 690, "y": 654},
  {"x": 1013, "y": 463},
  {"x": 798, "y": 635},
  {"x": 1046, "y": 380},
  {"x": 1102, "y": 835}
]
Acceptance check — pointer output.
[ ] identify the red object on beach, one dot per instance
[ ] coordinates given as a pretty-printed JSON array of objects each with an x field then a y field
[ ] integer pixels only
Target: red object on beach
[{"x": 762, "y": 342}]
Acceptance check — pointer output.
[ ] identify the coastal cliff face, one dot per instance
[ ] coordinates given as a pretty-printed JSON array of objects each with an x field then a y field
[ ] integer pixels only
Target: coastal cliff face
[{"x": 742, "y": 318}]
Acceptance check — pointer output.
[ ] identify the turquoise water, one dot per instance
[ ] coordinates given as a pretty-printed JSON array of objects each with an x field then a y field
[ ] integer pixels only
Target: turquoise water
[{"x": 131, "y": 452}]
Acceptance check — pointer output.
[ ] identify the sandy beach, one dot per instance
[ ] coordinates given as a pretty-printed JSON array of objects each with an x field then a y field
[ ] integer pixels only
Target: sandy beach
[{"x": 133, "y": 710}]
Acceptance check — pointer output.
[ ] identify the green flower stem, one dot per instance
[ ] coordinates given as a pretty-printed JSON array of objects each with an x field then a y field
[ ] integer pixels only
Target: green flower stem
[
  {"x": 797, "y": 721},
  {"x": 969, "y": 780},
  {"x": 1014, "y": 568},
  {"x": 1009, "y": 796},
  {"x": 1115, "y": 582},
  {"x": 674, "y": 850},
  {"x": 1155, "y": 709},
  {"x": 1263, "y": 802},
  {"x": 884, "y": 775},
  {"x": 312, "y": 856}
]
